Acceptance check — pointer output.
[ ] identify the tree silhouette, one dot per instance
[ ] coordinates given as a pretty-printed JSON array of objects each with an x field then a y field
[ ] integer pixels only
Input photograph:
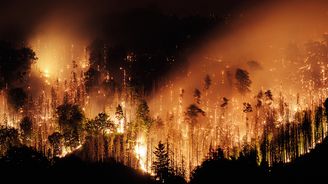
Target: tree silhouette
[
  {"x": 26, "y": 126},
  {"x": 220, "y": 169},
  {"x": 93, "y": 77},
  {"x": 197, "y": 95},
  {"x": 98, "y": 130},
  {"x": 259, "y": 99},
  {"x": 70, "y": 119},
  {"x": 56, "y": 141},
  {"x": 143, "y": 114},
  {"x": 119, "y": 112},
  {"x": 249, "y": 155},
  {"x": 9, "y": 138},
  {"x": 17, "y": 97},
  {"x": 318, "y": 122},
  {"x": 247, "y": 109},
  {"x": 99, "y": 124},
  {"x": 207, "y": 82},
  {"x": 103, "y": 122},
  {"x": 268, "y": 97},
  {"x": 243, "y": 82},
  {"x": 69, "y": 116},
  {"x": 191, "y": 115},
  {"x": 15, "y": 64},
  {"x": 225, "y": 102},
  {"x": 325, "y": 104},
  {"x": 161, "y": 163},
  {"x": 217, "y": 154},
  {"x": 25, "y": 160}
]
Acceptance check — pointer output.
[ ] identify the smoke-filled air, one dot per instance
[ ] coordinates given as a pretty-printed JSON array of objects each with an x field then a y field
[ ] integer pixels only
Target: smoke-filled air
[{"x": 256, "y": 83}]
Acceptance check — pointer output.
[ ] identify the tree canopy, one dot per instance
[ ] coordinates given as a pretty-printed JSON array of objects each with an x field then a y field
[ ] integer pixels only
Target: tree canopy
[
  {"x": 243, "y": 82},
  {"x": 15, "y": 64}
]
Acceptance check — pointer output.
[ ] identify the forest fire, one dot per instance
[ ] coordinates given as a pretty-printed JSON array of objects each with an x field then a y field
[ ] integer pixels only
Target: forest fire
[
  {"x": 256, "y": 90},
  {"x": 225, "y": 126}
]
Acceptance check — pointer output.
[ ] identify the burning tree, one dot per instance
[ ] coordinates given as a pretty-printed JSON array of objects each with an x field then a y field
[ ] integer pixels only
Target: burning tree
[
  {"x": 119, "y": 113},
  {"x": 99, "y": 132},
  {"x": 247, "y": 109},
  {"x": 191, "y": 114},
  {"x": 56, "y": 141},
  {"x": 143, "y": 114},
  {"x": 70, "y": 118},
  {"x": 144, "y": 121}
]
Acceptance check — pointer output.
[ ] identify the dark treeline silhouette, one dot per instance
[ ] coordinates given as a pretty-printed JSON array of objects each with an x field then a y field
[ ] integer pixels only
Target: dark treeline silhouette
[
  {"x": 309, "y": 168},
  {"x": 293, "y": 152},
  {"x": 162, "y": 167},
  {"x": 15, "y": 63},
  {"x": 26, "y": 164},
  {"x": 217, "y": 169}
]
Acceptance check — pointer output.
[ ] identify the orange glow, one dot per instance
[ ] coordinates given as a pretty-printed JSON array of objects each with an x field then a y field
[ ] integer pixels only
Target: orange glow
[
  {"x": 297, "y": 84},
  {"x": 141, "y": 153}
]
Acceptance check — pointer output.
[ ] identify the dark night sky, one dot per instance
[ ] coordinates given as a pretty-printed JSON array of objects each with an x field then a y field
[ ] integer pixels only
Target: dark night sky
[
  {"x": 181, "y": 7},
  {"x": 19, "y": 16}
]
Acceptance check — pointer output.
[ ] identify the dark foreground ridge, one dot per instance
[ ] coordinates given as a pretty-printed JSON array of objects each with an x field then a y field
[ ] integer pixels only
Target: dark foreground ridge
[
  {"x": 25, "y": 164},
  {"x": 309, "y": 168}
]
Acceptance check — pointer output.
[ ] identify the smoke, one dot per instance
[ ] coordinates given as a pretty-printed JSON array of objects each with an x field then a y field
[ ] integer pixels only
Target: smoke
[
  {"x": 60, "y": 31},
  {"x": 256, "y": 41},
  {"x": 267, "y": 35},
  {"x": 260, "y": 41},
  {"x": 270, "y": 42}
]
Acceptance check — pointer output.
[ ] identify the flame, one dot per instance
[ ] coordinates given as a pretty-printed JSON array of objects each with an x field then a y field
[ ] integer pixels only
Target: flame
[
  {"x": 68, "y": 150},
  {"x": 141, "y": 153},
  {"x": 56, "y": 49},
  {"x": 46, "y": 73},
  {"x": 56, "y": 52},
  {"x": 120, "y": 128}
]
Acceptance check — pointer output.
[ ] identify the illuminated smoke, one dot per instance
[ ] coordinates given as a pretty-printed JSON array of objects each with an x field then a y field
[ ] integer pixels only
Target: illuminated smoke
[{"x": 260, "y": 41}]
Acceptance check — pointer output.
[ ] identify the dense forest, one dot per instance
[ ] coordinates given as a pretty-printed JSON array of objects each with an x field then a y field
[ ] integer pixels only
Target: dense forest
[{"x": 150, "y": 106}]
